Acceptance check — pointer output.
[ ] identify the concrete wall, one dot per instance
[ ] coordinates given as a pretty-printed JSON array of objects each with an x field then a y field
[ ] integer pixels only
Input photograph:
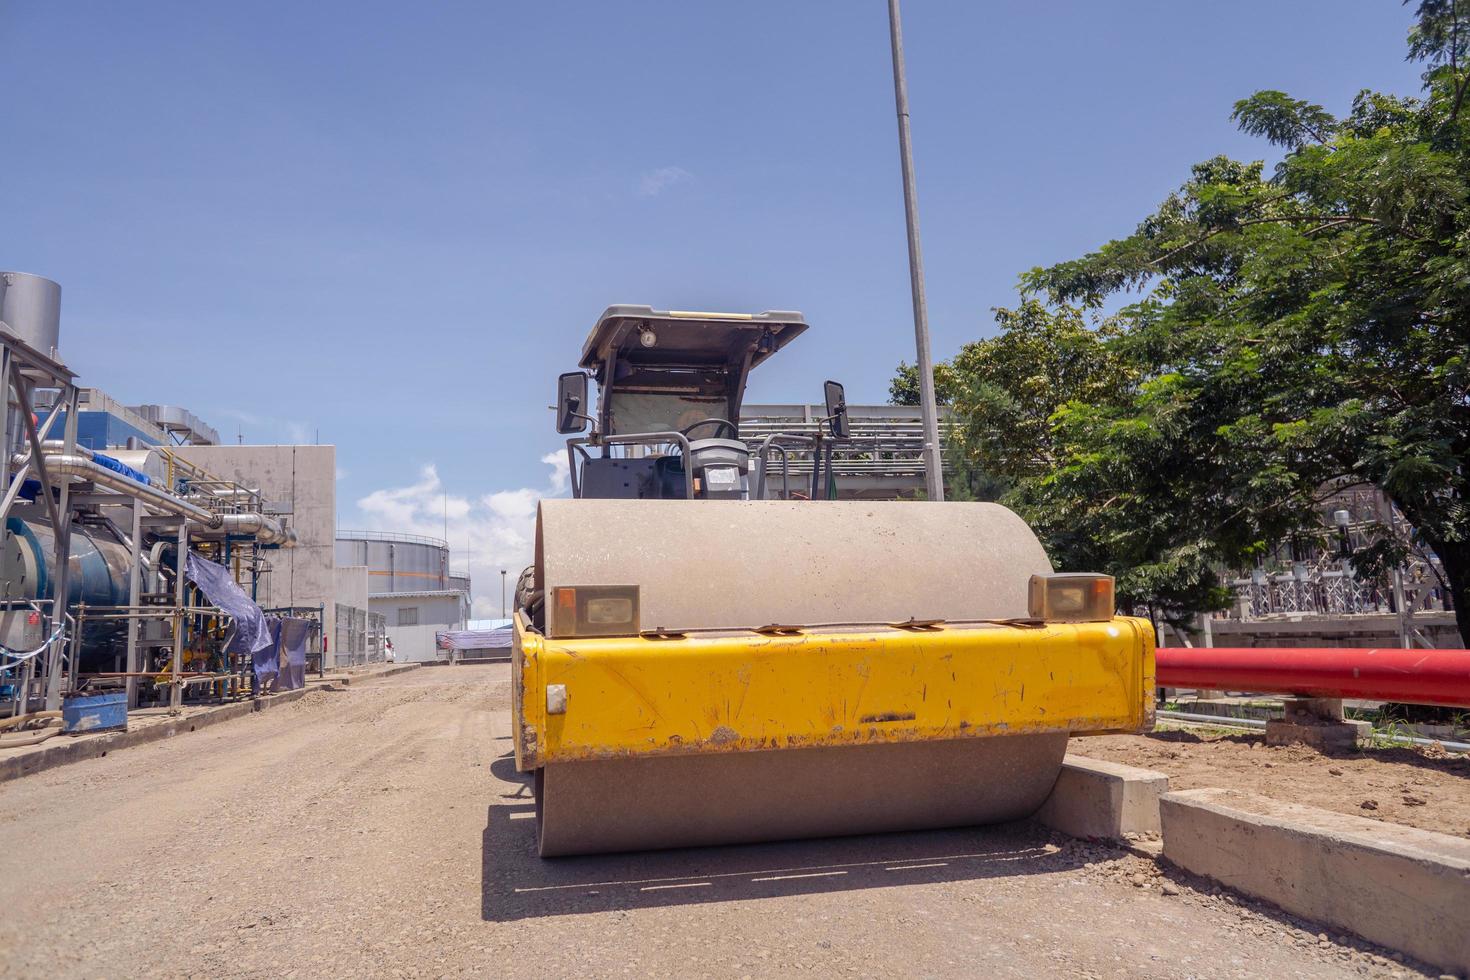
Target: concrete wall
[
  {"x": 352, "y": 585},
  {"x": 305, "y": 478},
  {"x": 1361, "y": 630},
  {"x": 416, "y": 643}
]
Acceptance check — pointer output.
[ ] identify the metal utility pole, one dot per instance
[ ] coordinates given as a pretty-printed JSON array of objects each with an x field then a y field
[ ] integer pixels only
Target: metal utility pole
[
  {"x": 502, "y": 593},
  {"x": 933, "y": 465}
]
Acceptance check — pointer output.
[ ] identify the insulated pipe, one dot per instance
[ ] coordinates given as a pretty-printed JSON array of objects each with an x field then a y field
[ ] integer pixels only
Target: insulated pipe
[
  {"x": 265, "y": 529},
  {"x": 80, "y": 466},
  {"x": 1440, "y": 677}
]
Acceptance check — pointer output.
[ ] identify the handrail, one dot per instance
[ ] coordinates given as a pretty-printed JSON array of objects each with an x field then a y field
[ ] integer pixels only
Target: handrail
[
  {"x": 344, "y": 534},
  {"x": 636, "y": 439},
  {"x": 769, "y": 443}
]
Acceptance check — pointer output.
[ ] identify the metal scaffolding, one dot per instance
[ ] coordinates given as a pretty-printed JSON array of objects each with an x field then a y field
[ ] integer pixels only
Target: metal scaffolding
[{"x": 165, "y": 634}]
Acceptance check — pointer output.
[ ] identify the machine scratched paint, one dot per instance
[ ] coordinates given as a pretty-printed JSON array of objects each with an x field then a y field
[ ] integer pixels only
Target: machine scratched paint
[{"x": 748, "y": 692}]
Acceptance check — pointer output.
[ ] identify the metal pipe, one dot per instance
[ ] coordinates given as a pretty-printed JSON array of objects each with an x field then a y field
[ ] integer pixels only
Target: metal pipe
[
  {"x": 1439, "y": 677},
  {"x": 62, "y": 537},
  {"x": 135, "y": 592},
  {"x": 1224, "y": 721},
  {"x": 16, "y": 485},
  {"x": 762, "y": 453},
  {"x": 1256, "y": 724},
  {"x": 266, "y": 530},
  {"x": 75, "y": 464},
  {"x": 176, "y": 697},
  {"x": 263, "y": 528}
]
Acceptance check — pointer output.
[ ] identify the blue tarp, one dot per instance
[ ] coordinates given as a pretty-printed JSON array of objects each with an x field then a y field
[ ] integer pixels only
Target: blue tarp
[
  {"x": 120, "y": 467},
  {"x": 252, "y": 635},
  {"x": 267, "y": 664},
  {"x": 293, "y": 636}
]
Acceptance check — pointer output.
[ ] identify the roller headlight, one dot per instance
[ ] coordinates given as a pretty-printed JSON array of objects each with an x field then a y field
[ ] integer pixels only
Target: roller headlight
[{"x": 1071, "y": 597}]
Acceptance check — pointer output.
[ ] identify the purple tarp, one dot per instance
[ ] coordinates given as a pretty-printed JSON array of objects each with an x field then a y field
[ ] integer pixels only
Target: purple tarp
[
  {"x": 294, "y": 634},
  {"x": 251, "y": 634},
  {"x": 268, "y": 661}
]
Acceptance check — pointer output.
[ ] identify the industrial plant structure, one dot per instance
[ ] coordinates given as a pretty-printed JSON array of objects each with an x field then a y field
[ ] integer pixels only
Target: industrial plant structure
[
  {"x": 141, "y": 562},
  {"x": 410, "y": 585}
]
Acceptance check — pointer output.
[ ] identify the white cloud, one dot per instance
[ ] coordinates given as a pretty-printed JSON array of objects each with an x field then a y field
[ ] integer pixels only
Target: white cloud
[
  {"x": 240, "y": 415},
  {"x": 655, "y": 182},
  {"x": 268, "y": 429},
  {"x": 487, "y": 533}
]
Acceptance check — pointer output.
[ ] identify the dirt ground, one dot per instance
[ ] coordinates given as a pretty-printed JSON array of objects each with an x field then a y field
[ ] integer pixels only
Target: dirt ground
[
  {"x": 381, "y": 830},
  {"x": 1423, "y": 788}
]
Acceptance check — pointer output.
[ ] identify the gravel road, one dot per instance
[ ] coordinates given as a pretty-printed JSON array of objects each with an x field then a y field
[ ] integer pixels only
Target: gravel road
[{"x": 381, "y": 829}]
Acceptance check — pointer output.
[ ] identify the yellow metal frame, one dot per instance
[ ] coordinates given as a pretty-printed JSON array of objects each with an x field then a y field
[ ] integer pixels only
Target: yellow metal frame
[{"x": 739, "y": 692}]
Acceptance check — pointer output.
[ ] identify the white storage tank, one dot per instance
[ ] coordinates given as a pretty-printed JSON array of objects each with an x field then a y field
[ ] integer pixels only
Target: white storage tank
[{"x": 30, "y": 306}]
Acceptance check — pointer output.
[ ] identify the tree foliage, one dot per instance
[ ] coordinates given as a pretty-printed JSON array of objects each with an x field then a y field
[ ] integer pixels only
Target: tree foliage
[
  {"x": 1287, "y": 331},
  {"x": 904, "y": 388}
]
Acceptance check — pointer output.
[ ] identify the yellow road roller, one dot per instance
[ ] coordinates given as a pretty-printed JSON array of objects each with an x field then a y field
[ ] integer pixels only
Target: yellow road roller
[{"x": 700, "y": 657}]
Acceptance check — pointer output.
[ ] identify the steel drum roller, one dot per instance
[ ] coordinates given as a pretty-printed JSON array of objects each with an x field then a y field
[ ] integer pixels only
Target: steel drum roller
[{"x": 743, "y": 564}]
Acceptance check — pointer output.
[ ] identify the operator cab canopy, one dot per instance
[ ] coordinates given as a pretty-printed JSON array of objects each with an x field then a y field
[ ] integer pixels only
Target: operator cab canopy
[{"x": 661, "y": 370}]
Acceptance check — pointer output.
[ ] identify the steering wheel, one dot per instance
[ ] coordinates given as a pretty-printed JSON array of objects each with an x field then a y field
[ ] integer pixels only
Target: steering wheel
[{"x": 718, "y": 423}]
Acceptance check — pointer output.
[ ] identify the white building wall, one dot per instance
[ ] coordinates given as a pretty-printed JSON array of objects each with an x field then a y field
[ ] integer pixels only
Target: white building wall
[
  {"x": 352, "y": 585},
  {"x": 417, "y": 643}
]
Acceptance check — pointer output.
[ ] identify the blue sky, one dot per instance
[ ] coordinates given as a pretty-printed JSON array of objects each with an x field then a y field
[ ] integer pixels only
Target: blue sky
[{"x": 393, "y": 224}]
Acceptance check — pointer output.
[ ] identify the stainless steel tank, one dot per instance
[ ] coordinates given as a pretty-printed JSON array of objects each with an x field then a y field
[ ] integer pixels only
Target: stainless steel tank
[
  {"x": 31, "y": 307},
  {"x": 397, "y": 562}
]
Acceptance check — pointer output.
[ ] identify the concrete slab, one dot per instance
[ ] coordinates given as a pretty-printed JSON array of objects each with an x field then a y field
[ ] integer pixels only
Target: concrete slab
[
  {"x": 1398, "y": 886},
  {"x": 1319, "y": 723},
  {"x": 1093, "y": 798}
]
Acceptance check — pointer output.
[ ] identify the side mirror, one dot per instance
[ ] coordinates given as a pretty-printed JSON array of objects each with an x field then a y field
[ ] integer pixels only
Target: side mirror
[
  {"x": 836, "y": 410},
  {"x": 571, "y": 397}
]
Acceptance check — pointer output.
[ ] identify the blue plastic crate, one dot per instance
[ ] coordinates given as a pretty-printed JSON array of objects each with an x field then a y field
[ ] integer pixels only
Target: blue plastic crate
[{"x": 97, "y": 713}]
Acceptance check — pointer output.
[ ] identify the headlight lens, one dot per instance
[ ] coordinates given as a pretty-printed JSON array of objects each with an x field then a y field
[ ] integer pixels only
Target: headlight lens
[
  {"x": 594, "y": 610},
  {"x": 1072, "y": 597}
]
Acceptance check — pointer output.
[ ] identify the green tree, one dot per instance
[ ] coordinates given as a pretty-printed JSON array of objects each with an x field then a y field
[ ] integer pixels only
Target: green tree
[
  {"x": 1296, "y": 329},
  {"x": 1005, "y": 390},
  {"x": 1030, "y": 405},
  {"x": 903, "y": 389}
]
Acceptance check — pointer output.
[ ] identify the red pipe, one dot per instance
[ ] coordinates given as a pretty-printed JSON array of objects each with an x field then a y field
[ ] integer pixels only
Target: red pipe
[{"x": 1391, "y": 674}]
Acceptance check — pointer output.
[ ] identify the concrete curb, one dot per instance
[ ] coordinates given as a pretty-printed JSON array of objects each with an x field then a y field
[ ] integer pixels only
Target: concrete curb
[
  {"x": 1398, "y": 886},
  {"x": 1098, "y": 799},
  {"x": 364, "y": 677}
]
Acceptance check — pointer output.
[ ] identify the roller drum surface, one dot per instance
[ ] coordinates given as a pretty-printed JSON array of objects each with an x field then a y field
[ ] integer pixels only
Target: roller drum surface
[
  {"x": 744, "y": 563},
  {"x": 733, "y": 798}
]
